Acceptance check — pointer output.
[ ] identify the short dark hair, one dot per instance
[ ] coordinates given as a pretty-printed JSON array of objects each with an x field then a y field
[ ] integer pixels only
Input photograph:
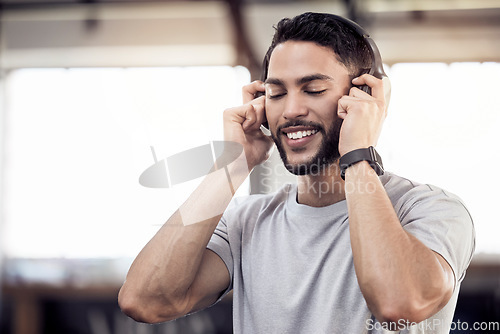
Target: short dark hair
[{"x": 325, "y": 30}]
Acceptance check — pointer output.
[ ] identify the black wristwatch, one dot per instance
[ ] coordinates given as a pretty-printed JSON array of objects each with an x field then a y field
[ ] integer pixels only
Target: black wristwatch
[{"x": 363, "y": 154}]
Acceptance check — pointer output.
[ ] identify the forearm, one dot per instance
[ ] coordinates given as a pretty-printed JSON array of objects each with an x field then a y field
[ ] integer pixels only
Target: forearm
[
  {"x": 398, "y": 275},
  {"x": 164, "y": 270},
  {"x": 175, "y": 273}
]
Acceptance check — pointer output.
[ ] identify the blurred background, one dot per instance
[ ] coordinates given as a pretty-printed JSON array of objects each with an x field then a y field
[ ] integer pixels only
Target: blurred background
[{"x": 94, "y": 92}]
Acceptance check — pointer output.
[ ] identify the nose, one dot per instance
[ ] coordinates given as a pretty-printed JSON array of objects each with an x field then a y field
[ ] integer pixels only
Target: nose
[{"x": 294, "y": 107}]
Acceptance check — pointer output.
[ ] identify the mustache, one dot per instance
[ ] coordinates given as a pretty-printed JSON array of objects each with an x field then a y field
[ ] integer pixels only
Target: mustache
[{"x": 299, "y": 122}]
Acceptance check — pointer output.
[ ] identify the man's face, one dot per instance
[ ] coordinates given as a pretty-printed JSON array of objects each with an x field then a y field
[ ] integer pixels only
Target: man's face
[{"x": 304, "y": 84}]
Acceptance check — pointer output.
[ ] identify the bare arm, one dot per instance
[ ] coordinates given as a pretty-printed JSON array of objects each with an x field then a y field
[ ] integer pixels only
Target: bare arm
[
  {"x": 175, "y": 273},
  {"x": 399, "y": 276}
]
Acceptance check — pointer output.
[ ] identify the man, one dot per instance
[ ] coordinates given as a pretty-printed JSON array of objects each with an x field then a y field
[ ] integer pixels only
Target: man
[{"x": 364, "y": 254}]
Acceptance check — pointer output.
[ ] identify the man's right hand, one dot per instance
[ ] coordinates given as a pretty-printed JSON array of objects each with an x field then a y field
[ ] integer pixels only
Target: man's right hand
[
  {"x": 242, "y": 125},
  {"x": 175, "y": 273}
]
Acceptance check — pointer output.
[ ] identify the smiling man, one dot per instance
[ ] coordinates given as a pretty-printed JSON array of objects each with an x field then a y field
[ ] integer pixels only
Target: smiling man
[{"x": 370, "y": 252}]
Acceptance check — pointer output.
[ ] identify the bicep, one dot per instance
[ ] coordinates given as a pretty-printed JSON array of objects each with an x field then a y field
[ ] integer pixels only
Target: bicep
[{"x": 210, "y": 282}]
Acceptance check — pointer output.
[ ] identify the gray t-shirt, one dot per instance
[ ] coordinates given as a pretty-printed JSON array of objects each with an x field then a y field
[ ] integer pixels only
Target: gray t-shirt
[{"x": 292, "y": 269}]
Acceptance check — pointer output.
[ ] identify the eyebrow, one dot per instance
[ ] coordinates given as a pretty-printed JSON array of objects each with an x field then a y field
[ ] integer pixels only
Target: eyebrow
[{"x": 300, "y": 81}]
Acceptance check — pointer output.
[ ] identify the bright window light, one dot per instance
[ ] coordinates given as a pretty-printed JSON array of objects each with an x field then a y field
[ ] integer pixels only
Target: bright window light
[
  {"x": 77, "y": 141},
  {"x": 443, "y": 128}
]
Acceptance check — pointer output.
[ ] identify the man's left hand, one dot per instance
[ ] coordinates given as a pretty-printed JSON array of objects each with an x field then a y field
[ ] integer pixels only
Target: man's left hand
[{"x": 363, "y": 114}]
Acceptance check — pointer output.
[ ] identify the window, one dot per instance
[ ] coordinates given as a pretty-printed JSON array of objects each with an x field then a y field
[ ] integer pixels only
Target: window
[
  {"x": 77, "y": 141},
  {"x": 442, "y": 128}
]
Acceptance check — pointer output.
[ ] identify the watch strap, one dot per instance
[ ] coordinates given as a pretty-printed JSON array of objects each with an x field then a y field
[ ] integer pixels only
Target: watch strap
[{"x": 363, "y": 154}]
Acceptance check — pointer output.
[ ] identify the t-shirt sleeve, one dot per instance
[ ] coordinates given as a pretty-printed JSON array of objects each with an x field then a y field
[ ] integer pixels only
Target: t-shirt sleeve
[
  {"x": 219, "y": 244},
  {"x": 441, "y": 221}
]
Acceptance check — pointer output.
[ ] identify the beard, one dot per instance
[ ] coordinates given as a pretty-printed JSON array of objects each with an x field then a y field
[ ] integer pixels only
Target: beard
[{"x": 327, "y": 154}]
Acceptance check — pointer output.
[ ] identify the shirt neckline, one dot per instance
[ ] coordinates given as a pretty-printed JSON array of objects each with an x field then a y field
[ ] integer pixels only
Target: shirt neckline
[{"x": 310, "y": 211}]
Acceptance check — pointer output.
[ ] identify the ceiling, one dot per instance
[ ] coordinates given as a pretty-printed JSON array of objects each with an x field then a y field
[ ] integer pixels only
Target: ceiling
[{"x": 237, "y": 32}]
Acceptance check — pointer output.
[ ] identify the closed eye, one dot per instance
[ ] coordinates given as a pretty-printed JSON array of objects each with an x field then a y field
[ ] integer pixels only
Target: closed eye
[
  {"x": 276, "y": 96},
  {"x": 315, "y": 92}
]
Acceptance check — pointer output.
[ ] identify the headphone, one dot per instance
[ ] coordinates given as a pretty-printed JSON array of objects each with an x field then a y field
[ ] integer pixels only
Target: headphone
[{"x": 377, "y": 68}]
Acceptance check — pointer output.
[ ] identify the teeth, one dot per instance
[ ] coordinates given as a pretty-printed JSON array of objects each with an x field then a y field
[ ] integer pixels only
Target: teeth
[{"x": 301, "y": 134}]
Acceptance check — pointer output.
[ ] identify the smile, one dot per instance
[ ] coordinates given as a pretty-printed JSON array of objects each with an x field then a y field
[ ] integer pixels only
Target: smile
[{"x": 300, "y": 134}]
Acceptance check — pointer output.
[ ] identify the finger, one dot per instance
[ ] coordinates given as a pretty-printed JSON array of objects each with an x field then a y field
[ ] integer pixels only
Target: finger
[
  {"x": 376, "y": 85},
  {"x": 249, "y": 91},
  {"x": 255, "y": 115},
  {"x": 348, "y": 103},
  {"x": 343, "y": 106},
  {"x": 358, "y": 93}
]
